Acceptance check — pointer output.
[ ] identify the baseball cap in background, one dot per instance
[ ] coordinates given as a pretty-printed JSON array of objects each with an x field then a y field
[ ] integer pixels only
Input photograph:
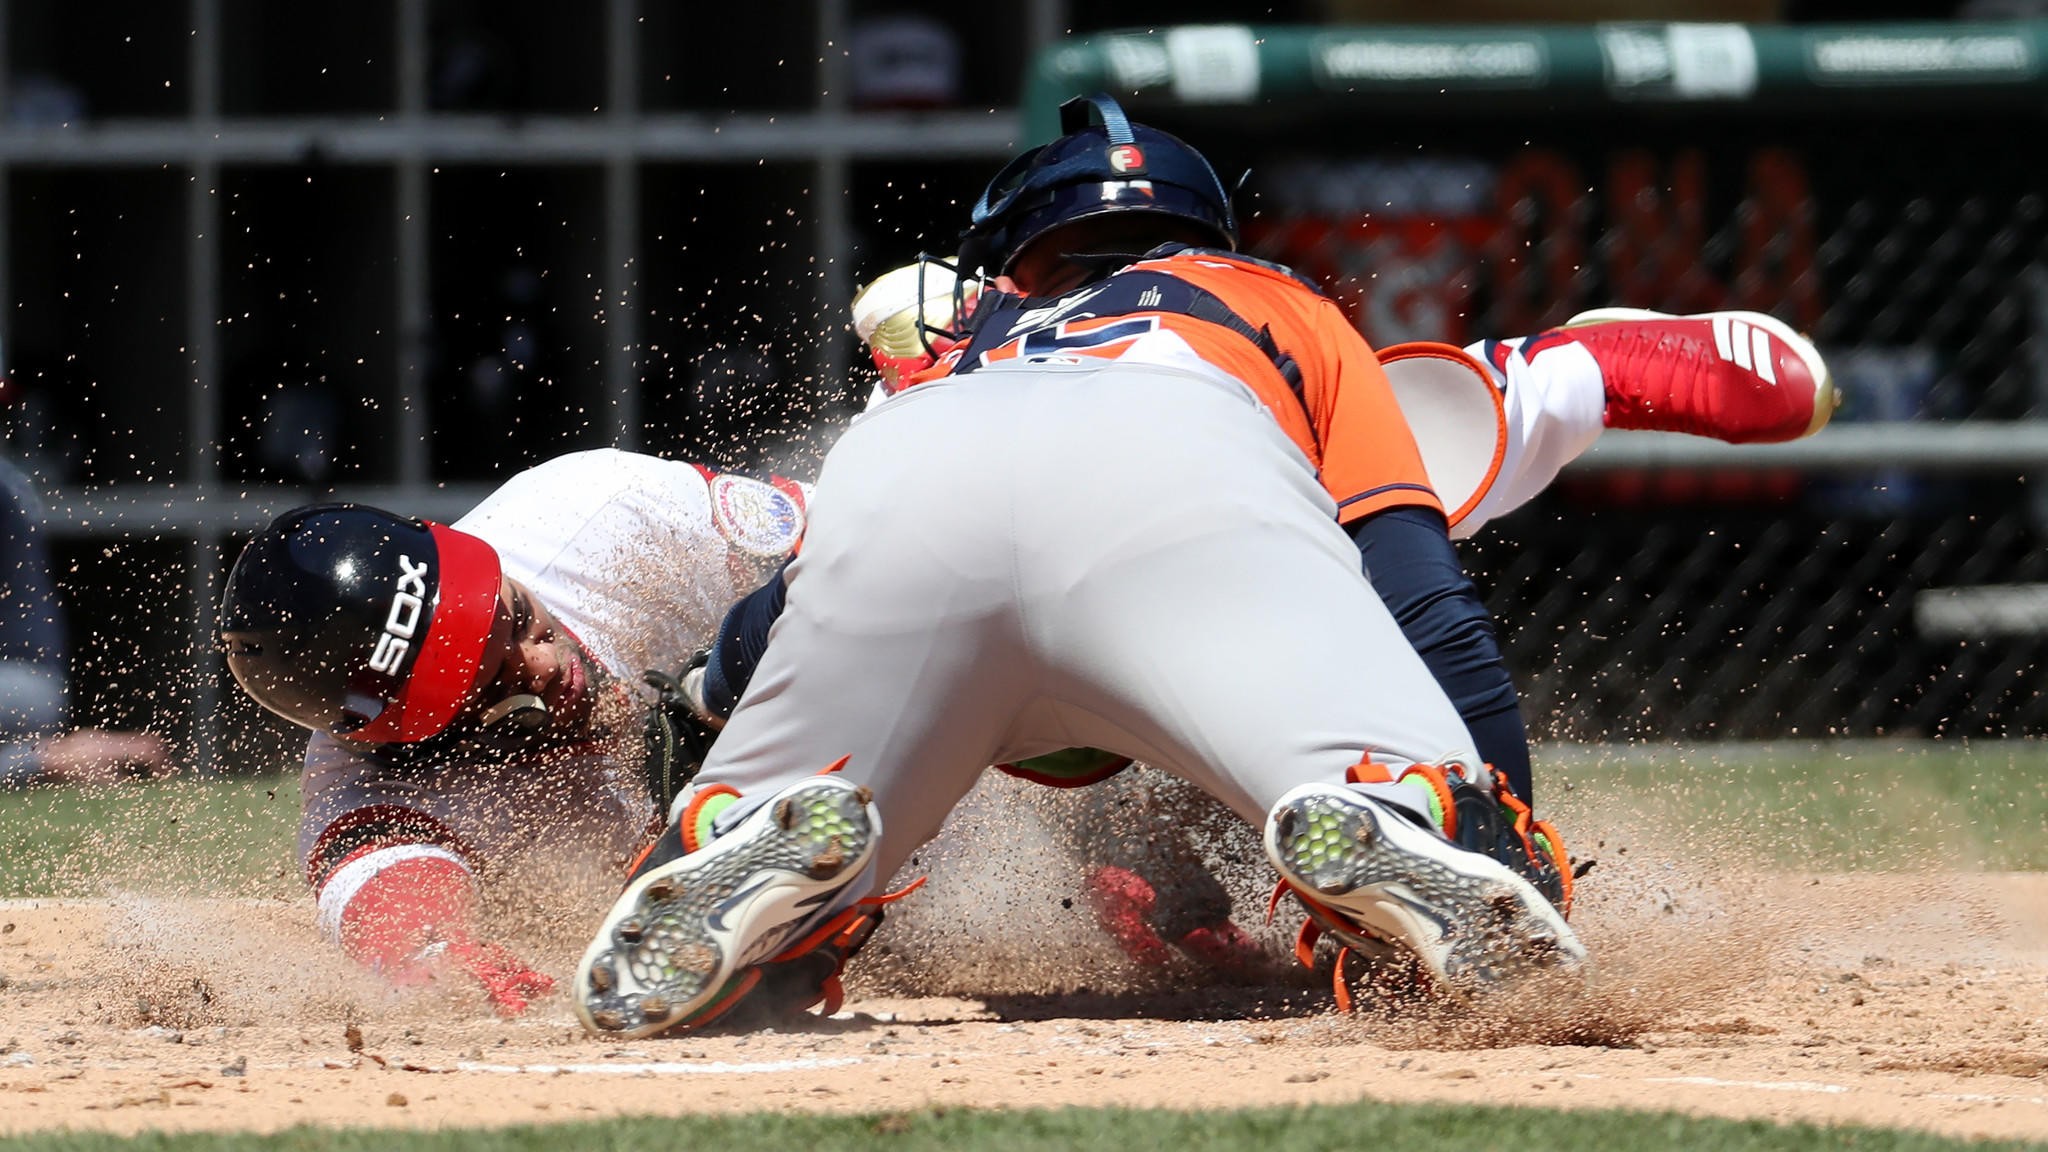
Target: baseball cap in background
[
  {"x": 357, "y": 622},
  {"x": 903, "y": 62}
]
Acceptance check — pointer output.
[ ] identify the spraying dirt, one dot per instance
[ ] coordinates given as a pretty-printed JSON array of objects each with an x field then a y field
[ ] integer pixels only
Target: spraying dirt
[{"x": 1916, "y": 1000}]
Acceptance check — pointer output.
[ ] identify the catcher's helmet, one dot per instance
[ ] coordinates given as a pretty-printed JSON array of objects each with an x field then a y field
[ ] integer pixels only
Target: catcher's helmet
[
  {"x": 1109, "y": 165},
  {"x": 357, "y": 622}
]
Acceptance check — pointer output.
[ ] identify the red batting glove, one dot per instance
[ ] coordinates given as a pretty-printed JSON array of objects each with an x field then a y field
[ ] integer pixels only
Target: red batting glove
[
  {"x": 509, "y": 984},
  {"x": 407, "y": 912}
]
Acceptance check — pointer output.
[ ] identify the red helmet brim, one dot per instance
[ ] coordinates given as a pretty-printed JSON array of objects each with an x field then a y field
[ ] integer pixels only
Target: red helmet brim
[{"x": 444, "y": 671}]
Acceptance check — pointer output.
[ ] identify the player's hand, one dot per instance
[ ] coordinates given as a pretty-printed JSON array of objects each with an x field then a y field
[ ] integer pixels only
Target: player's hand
[
  {"x": 99, "y": 756},
  {"x": 509, "y": 983},
  {"x": 411, "y": 920}
]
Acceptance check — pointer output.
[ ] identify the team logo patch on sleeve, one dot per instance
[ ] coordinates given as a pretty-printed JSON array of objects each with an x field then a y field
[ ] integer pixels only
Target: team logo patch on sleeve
[{"x": 755, "y": 518}]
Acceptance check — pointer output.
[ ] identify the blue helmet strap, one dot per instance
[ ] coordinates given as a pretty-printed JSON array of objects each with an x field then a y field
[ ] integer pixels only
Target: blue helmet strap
[
  {"x": 1074, "y": 117},
  {"x": 1030, "y": 183}
]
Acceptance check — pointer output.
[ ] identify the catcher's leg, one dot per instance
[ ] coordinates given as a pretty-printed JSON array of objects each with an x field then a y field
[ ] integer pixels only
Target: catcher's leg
[
  {"x": 1365, "y": 869},
  {"x": 1288, "y": 672},
  {"x": 681, "y": 944},
  {"x": 897, "y": 668}
]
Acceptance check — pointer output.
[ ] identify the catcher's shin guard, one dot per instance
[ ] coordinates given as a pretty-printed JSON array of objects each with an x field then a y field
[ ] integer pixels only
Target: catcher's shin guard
[
  {"x": 695, "y": 932},
  {"x": 1371, "y": 876}
]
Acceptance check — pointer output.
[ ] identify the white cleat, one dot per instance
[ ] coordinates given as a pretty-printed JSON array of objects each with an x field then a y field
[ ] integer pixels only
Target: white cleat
[
  {"x": 1476, "y": 925},
  {"x": 675, "y": 949}
]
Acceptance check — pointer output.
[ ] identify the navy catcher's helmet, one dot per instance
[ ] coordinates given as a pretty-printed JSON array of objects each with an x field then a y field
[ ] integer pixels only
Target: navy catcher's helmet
[
  {"x": 1108, "y": 165},
  {"x": 354, "y": 621}
]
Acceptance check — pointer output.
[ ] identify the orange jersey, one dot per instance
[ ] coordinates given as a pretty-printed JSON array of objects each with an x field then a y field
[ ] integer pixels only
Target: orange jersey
[{"x": 1204, "y": 310}]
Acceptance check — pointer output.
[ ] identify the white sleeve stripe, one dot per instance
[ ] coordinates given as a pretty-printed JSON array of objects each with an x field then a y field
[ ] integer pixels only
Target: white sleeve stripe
[
  {"x": 1760, "y": 345},
  {"x": 347, "y": 880}
]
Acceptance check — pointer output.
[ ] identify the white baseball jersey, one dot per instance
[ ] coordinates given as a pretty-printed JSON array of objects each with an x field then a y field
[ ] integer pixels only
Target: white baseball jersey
[{"x": 638, "y": 557}]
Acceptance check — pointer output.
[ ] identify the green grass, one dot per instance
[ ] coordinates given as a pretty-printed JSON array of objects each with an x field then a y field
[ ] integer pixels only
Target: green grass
[
  {"x": 1411, "y": 1128},
  {"x": 1854, "y": 804},
  {"x": 214, "y": 837},
  {"x": 1861, "y": 804}
]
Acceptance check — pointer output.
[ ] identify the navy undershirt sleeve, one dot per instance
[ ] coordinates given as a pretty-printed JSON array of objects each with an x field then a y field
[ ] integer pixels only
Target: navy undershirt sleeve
[
  {"x": 1412, "y": 564},
  {"x": 742, "y": 638}
]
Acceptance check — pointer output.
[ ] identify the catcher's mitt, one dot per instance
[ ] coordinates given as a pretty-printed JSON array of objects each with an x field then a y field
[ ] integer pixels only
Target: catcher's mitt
[{"x": 678, "y": 734}]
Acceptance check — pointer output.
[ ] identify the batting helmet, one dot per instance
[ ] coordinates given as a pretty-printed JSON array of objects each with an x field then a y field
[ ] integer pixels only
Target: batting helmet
[
  {"x": 1108, "y": 165},
  {"x": 354, "y": 621}
]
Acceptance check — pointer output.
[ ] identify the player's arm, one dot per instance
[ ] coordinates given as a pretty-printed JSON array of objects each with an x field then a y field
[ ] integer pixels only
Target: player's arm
[
  {"x": 691, "y": 706},
  {"x": 742, "y": 640},
  {"x": 1374, "y": 471},
  {"x": 395, "y": 886},
  {"x": 1408, "y": 556}
]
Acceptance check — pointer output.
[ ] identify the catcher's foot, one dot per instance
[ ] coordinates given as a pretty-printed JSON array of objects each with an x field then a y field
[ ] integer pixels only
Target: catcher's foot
[
  {"x": 686, "y": 938},
  {"x": 1374, "y": 876},
  {"x": 1742, "y": 377}
]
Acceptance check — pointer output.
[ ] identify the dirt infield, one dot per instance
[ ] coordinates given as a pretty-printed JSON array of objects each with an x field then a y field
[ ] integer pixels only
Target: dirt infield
[{"x": 1832, "y": 998}]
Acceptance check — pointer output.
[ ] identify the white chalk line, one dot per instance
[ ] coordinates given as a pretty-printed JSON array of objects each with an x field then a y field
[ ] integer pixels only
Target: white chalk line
[
  {"x": 1819, "y": 1088},
  {"x": 660, "y": 1067},
  {"x": 607, "y": 1068},
  {"x": 1760, "y": 1085}
]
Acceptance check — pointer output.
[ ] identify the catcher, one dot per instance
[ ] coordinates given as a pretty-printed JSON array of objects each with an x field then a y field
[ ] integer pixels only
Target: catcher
[
  {"x": 1524, "y": 406},
  {"x": 1154, "y": 451}
]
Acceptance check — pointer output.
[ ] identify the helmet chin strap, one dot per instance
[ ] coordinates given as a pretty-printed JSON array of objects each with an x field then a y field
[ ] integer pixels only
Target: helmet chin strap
[
  {"x": 524, "y": 712},
  {"x": 515, "y": 726}
]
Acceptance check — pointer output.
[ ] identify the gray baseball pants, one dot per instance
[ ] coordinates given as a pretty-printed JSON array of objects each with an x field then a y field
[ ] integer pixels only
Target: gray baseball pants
[{"x": 1042, "y": 556}]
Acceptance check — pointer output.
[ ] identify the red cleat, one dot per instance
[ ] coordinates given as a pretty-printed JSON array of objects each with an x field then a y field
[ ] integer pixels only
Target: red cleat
[{"x": 1742, "y": 377}]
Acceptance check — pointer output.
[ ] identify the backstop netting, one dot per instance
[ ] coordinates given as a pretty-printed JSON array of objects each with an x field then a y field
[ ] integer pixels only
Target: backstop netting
[{"x": 1876, "y": 186}]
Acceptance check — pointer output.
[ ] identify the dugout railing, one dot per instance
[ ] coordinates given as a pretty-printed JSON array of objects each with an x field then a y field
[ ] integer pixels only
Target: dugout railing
[
  {"x": 1871, "y": 184},
  {"x": 233, "y": 230}
]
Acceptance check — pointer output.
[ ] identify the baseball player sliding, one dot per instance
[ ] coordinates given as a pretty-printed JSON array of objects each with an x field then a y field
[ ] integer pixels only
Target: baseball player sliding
[
  {"x": 476, "y": 690},
  {"x": 1126, "y": 511}
]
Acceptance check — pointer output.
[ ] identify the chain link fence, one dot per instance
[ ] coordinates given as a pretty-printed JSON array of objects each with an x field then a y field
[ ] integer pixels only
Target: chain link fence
[{"x": 1702, "y": 603}]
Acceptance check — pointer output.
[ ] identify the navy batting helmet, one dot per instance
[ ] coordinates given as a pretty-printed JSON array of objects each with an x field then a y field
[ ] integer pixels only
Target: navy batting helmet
[
  {"x": 1103, "y": 164},
  {"x": 354, "y": 621}
]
